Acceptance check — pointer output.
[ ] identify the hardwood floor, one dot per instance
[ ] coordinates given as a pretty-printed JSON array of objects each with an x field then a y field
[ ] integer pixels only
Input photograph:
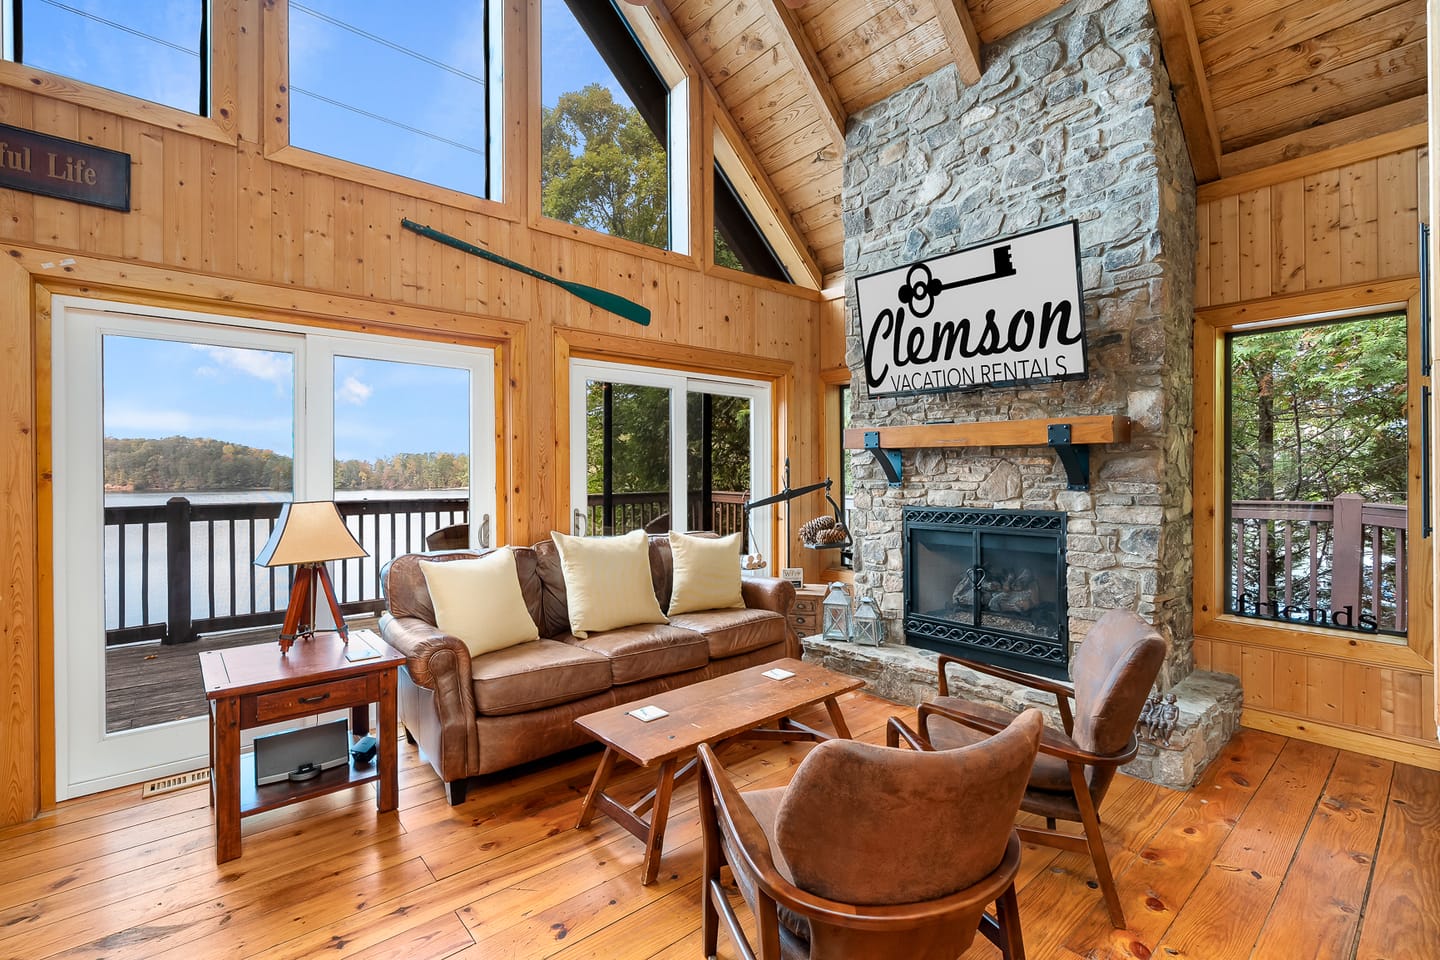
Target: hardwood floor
[{"x": 1285, "y": 850}]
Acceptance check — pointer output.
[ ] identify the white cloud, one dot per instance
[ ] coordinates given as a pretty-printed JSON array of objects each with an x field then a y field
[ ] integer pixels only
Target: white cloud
[
  {"x": 353, "y": 391},
  {"x": 272, "y": 367}
]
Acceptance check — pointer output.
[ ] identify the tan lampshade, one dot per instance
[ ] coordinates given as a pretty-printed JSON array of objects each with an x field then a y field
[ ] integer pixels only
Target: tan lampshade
[{"x": 310, "y": 531}]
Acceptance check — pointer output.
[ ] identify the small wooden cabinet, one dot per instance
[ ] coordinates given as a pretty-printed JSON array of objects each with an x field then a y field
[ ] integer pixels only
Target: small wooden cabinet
[{"x": 805, "y": 615}]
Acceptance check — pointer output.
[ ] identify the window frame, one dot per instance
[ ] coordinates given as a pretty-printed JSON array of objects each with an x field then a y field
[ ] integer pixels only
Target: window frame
[
  {"x": 219, "y": 125},
  {"x": 1210, "y": 473},
  {"x": 276, "y": 128}
]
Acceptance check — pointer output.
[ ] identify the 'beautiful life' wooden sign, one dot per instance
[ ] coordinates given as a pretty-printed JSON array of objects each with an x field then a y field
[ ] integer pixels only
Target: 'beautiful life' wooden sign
[{"x": 53, "y": 167}]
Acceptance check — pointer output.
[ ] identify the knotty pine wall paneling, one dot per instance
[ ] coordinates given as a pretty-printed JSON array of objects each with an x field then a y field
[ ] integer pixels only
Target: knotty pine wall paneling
[
  {"x": 226, "y": 219},
  {"x": 1321, "y": 231}
]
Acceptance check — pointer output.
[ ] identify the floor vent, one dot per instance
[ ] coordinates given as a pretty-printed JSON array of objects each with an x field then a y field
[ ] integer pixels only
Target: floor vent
[{"x": 178, "y": 782}]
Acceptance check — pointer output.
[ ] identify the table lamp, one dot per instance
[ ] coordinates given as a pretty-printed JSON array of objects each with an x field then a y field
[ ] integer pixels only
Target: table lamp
[{"x": 307, "y": 535}]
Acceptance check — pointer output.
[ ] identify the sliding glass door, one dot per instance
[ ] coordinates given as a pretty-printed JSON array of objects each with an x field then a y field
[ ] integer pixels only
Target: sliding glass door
[
  {"x": 177, "y": 439},
  {"x": 662, "y": 450}
]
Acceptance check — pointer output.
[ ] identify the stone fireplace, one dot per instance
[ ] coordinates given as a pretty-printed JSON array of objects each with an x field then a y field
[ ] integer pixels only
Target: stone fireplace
[{"x": 1072, "y": 119}]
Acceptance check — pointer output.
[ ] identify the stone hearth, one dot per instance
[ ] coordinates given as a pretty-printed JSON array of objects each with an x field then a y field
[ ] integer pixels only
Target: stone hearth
[{"x": 1073, "y": 119}]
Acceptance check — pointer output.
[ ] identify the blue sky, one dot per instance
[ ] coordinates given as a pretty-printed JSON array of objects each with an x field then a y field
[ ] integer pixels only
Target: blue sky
[
  {"x": 156, "y": 388},
  {"x": 164, "y": 388}
]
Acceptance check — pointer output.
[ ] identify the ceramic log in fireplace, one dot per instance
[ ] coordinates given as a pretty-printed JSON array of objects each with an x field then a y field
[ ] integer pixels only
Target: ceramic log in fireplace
[{"x": 988, "y": 585}]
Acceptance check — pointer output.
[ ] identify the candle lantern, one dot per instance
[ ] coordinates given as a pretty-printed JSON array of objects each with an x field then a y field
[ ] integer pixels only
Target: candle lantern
[
  {"x": 835, "y": 613},
  {"x": 868, "y": 626}
]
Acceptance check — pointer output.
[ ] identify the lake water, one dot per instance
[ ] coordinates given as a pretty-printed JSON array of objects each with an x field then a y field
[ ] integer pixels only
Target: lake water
[{"x": 354, "y": 579}]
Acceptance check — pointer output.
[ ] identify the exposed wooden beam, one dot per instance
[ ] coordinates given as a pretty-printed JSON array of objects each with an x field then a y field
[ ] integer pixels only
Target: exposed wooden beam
[
  {"x": 960, "y": 33},
  {"x": 1361, "y": 127},
  {"x": 663, "y": 21},
  {"x": 800, "y": 51},
  {"x": 1192, "y": 93},
  {"x": 1303, "y": 166}
]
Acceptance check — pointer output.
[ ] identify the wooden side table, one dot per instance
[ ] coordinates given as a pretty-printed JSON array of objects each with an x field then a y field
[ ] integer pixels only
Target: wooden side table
[
  {"x": 255, "y": 685},
  {"x": 805, "y": 614}
]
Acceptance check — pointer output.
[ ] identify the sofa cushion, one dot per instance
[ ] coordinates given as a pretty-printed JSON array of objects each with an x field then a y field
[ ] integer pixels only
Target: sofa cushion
[
  {"x": 480, "y": 601},
  {"x": 735, "y": 630},
  {"x": 537, "y": 674},
  {"x": 607, "y": 581},
  {"x": 644, "y": 651},
  {"x": 707, "y": 573}
]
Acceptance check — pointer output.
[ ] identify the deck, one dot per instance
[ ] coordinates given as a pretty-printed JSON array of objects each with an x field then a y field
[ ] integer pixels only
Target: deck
[{"x": 1285, "y": 850}]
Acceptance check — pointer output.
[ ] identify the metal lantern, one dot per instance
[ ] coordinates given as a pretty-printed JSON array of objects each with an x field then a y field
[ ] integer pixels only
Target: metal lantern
[
  {"x": 835, "y": 613},
  {"x": 868, "y": 626}
]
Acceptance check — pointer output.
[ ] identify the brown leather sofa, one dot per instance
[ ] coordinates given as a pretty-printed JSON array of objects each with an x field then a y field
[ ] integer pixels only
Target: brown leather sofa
[{"x": 477, "y": 715}]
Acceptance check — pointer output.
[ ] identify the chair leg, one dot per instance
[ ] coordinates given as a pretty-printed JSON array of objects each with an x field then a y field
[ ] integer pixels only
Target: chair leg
[
  {"x": 1007, "y": 915},
  {"x": 458, "y": 789},
  {"x": 409, "y": 737},
  {"x": 1049, "y": 823},
  {"x": 1101, "y": 858}
]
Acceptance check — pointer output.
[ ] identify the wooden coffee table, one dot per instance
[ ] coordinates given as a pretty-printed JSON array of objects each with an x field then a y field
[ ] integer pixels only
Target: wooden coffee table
[{"x": 736, "y": 706}]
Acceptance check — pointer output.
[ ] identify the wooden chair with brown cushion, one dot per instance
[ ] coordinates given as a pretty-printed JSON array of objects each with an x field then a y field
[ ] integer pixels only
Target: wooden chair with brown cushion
[
  {"x": 871, "y": 853},
  {"x": 454, "y": 537},
  {"x": 1113, "y": 672}
]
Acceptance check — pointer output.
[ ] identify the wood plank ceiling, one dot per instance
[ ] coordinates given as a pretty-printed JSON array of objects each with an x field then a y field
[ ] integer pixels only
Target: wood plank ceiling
[{"x": 1257, "y": 81}]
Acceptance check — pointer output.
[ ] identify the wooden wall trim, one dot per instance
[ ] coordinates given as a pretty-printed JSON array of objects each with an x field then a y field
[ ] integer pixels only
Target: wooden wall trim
[
  {"x": 1332, "y": 301},
  {"x": 1378, "y": 146},
  {"x": 591, "y": 345},
  {"x": 1432, "y": 23},
  {"x": 1336, "y": 134},
  {"x": 19, "y": 645},
  {"x": 1417, "y": 753}
]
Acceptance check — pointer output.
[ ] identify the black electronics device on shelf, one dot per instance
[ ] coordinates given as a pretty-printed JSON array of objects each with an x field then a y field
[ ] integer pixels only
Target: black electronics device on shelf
[{"x": 301, "y": 754}]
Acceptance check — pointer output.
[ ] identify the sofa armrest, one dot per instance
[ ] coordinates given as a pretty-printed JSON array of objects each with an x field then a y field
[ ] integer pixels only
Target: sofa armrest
[
  {"x": 772, "y": 593},
  {"x": 768, "y": 593},
  {"x": 433, "y": 658}
]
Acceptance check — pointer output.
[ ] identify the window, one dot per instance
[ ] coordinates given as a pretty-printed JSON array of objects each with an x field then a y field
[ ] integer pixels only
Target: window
[
  {"x": 739, "y": 243},
  {"x": 177, "y": 437},
  {"x": 1317, "y": 465},
  {"x": 649, "y": 445},
  {"x": 153, "y": 51},
  {"x": 403, "y": 88},
  {"x": 608, "y": 128}
]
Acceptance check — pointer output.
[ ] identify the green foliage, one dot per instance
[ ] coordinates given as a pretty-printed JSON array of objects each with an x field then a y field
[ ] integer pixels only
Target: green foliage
[
  {"x": 602, "y": 168},
  {"x": 1320, "y": 410},
  {"x": 724, "y": 256},
  {"x": 187, "y": 464},
  {"x": 640, "y": 448}
]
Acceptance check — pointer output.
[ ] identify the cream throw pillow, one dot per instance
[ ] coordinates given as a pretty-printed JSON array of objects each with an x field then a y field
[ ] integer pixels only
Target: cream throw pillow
[
  {"x": 480, "y": 601},
  {"x": 607, "y": 581},
  {"x": 707, "y": 572}
]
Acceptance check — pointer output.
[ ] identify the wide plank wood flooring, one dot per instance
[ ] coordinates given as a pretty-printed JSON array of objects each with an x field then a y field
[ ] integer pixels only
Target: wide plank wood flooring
[{"x": 1284, "y": 850}]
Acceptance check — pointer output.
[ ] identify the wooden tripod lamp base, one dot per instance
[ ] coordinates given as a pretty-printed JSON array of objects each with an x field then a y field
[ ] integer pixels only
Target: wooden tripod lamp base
[{"x": 300, "y": 614}]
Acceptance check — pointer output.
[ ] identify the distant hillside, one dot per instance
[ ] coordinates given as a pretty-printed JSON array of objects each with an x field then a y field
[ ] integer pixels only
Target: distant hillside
[{"x": 177, "y": 464}]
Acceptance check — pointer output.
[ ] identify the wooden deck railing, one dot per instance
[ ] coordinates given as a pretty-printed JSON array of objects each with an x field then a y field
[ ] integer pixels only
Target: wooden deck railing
[
  {"x": 193, "y": 563},
  {"x": 650, "y": 510},
  {"x": 1326, "y": 556}
]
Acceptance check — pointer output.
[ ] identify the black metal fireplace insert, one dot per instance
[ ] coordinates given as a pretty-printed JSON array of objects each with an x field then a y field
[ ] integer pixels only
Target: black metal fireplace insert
[{"x": 988, "y": 585}]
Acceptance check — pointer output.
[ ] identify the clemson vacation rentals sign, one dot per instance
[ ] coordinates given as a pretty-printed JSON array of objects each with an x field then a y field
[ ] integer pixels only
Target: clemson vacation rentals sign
[{"x": 1000, "y": 314}]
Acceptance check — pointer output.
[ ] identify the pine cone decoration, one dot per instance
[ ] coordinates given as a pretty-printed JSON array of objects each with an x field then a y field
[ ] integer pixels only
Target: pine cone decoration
[
  {"x": 810, "y": 530},
  {"x": 835, "y": 534}
]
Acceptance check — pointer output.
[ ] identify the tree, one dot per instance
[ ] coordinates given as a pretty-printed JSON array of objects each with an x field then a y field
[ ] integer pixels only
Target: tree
[
  {"x": 602, "y": 168},
  {"x": 1320, "y": 410}
]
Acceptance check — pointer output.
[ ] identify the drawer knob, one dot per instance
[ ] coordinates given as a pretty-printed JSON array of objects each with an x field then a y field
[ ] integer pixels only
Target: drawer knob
[{"x": 318, "y": 698}]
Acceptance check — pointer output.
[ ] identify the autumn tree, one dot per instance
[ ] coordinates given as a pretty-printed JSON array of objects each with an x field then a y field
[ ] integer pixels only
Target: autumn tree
[{"x": 603, "y": 168}]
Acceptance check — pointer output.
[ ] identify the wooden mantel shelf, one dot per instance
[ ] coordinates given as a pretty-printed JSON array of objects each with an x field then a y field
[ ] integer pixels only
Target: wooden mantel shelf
[{"x": 1070, "y": 436}]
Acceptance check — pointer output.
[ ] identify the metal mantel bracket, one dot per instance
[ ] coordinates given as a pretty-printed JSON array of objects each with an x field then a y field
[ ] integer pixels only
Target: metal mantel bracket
[
  {"x": 1075, "y": 457},
  {"x": 889, "y": 460}
]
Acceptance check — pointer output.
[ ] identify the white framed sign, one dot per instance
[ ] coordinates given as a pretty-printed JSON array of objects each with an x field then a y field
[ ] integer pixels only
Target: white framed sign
[{"x": 1000, "y": 314}]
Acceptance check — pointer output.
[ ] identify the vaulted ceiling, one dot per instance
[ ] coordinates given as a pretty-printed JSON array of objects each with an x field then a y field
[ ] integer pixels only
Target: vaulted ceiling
[{"x": 1257, "y": 81}]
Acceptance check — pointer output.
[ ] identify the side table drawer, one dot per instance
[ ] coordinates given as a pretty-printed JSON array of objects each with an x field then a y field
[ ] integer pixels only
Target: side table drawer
[
  {"x": 308, "y": 701},
  {"x": 804, "y": 623}
]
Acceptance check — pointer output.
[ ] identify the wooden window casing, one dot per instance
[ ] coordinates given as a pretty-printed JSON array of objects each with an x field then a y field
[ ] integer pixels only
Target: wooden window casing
[{"x": 1211, "y": 620}]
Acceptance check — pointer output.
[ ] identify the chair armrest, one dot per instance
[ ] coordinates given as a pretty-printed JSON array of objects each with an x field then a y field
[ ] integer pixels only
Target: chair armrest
[
  {"x": 1063, "y": 692},
  {"x": 1014, "y": 676},
  {"x": 897, "y": 730},
  {"x": 1052, "y": 741}
]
